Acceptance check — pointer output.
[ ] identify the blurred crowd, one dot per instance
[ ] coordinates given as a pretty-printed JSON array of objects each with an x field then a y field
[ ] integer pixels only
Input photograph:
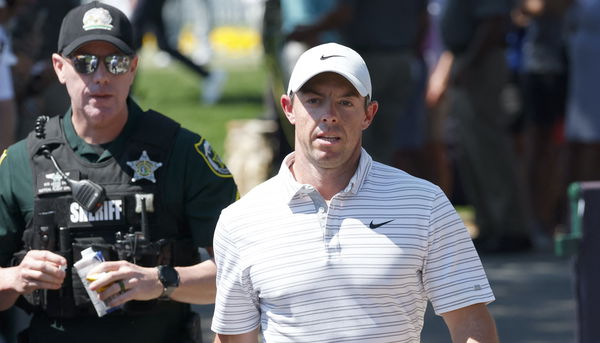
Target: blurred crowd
[
  {"x": 28, "y": 36},
  {"x": 493, "y": 100}
]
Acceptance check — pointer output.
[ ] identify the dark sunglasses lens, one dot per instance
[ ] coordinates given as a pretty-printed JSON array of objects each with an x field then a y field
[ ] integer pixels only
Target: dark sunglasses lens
[
  {"x": 85, "y": 64},
  {"x": 117, "y": 64}
]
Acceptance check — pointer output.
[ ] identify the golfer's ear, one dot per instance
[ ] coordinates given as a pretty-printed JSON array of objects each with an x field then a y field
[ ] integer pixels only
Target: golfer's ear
[
  {"x": 372, "y": 108},
  {"x": 287, "y": 105}
]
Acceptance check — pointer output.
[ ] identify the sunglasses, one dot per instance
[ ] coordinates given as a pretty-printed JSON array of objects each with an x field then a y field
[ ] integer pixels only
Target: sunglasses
[{"x": 87, "y": 64}]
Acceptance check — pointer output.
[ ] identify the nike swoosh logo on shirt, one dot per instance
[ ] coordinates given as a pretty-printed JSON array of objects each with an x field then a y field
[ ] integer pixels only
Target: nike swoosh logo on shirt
[{"x": 374, "y": 226}]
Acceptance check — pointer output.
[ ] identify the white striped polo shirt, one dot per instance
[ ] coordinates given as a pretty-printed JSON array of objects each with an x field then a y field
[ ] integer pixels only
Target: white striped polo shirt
[{"x": 359, "y": 270}]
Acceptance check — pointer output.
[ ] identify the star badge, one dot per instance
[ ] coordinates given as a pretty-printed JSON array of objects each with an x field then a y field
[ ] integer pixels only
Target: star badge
[{"x": 144, "y": 168}]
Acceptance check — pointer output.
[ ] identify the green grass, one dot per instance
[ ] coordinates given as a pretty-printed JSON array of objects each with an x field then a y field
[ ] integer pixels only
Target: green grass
[{"x": 175, "y": 92}]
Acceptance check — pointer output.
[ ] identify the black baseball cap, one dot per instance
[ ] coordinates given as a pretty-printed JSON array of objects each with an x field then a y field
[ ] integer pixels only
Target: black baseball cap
[{"x": 95, "y": 21}]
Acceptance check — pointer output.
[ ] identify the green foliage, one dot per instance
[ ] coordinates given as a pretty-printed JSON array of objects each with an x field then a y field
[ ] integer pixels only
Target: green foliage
[{"x": 175, "y": 92}]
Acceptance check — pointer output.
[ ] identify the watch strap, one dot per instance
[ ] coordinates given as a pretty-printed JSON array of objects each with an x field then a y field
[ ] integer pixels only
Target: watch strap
[{"x": 169, "y": 278}]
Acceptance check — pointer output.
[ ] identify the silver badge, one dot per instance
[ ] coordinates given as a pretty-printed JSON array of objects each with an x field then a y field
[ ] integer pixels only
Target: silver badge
[{"x": 144, "y": 168}]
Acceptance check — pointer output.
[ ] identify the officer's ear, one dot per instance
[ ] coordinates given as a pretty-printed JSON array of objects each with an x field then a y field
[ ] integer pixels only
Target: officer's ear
[
  {"x": 59, "y": 62},
  {"x": 134, "y": 64}
]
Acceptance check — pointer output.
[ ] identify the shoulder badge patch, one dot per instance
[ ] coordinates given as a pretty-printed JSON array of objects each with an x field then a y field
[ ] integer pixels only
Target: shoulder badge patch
[
  {"x": 212, "y": 159},
  {"x": 144, "y": 168}
]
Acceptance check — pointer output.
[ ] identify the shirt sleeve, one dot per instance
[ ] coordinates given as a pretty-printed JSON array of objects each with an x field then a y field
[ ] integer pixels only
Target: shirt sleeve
[
  {"x": 237, "y": 309},
  {"x": 16, "y": 199},
  {"x": 453, "y": 276},
  {"x": 208, "y": 186}
]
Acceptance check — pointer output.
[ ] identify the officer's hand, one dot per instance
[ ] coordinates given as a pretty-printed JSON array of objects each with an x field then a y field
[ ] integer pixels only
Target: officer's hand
[
  {"x": 122, "y": 281},
  {"x": 40, "y": 269}
]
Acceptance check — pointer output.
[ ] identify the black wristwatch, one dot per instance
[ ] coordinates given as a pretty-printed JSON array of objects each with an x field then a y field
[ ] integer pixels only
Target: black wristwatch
[{"x": 169, "y": 277}]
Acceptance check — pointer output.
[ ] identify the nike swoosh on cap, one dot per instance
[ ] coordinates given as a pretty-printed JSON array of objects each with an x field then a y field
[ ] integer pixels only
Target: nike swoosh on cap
[
  {"x": 323, "y": 57},
  {"x": 374, "y": 226}
]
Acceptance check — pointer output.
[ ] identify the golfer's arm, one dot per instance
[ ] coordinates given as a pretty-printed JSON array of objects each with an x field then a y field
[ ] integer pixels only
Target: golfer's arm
[
  {"x": 249, "y": 337},
  {"x": 471, "y": 324}
]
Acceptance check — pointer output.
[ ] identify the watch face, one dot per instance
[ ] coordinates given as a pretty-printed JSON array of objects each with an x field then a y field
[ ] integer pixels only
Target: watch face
[{"x": 169, "y": 276}]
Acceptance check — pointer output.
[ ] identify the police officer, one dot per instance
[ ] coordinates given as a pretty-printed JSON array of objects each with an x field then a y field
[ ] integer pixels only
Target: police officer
[{"x": 129, "y": 184}]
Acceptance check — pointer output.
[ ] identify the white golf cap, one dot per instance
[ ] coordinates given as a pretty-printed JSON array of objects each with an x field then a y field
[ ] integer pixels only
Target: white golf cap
[{"x": 335, "y": 58}]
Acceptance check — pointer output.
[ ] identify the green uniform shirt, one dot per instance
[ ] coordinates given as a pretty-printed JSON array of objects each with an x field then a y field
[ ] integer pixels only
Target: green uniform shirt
[{"x": 196, "y": 178}]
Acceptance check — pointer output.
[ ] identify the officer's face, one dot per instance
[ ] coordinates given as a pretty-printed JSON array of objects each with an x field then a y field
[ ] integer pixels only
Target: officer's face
[
  {"x": 97, "y": 98},
  {"x": 329, "y": 116}
]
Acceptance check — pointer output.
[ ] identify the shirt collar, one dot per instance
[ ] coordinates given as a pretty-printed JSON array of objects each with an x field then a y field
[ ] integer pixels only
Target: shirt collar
[
  {"x": 91, "y": 152},
  {"x": 293, "y": 189}
]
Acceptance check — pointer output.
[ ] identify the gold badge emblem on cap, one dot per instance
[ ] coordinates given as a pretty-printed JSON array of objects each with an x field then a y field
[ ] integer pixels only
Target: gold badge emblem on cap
[{"x": 97, "y": 18}]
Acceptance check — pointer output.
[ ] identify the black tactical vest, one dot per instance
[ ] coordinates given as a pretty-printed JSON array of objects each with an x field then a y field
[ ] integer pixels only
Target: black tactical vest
[{"x": 62, "y": 225}]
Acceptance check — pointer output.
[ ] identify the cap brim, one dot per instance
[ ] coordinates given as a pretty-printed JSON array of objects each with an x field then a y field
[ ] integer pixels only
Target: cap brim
[
  {"x": 351, "y": 78},
  {"x": 97, "y": 37}
]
